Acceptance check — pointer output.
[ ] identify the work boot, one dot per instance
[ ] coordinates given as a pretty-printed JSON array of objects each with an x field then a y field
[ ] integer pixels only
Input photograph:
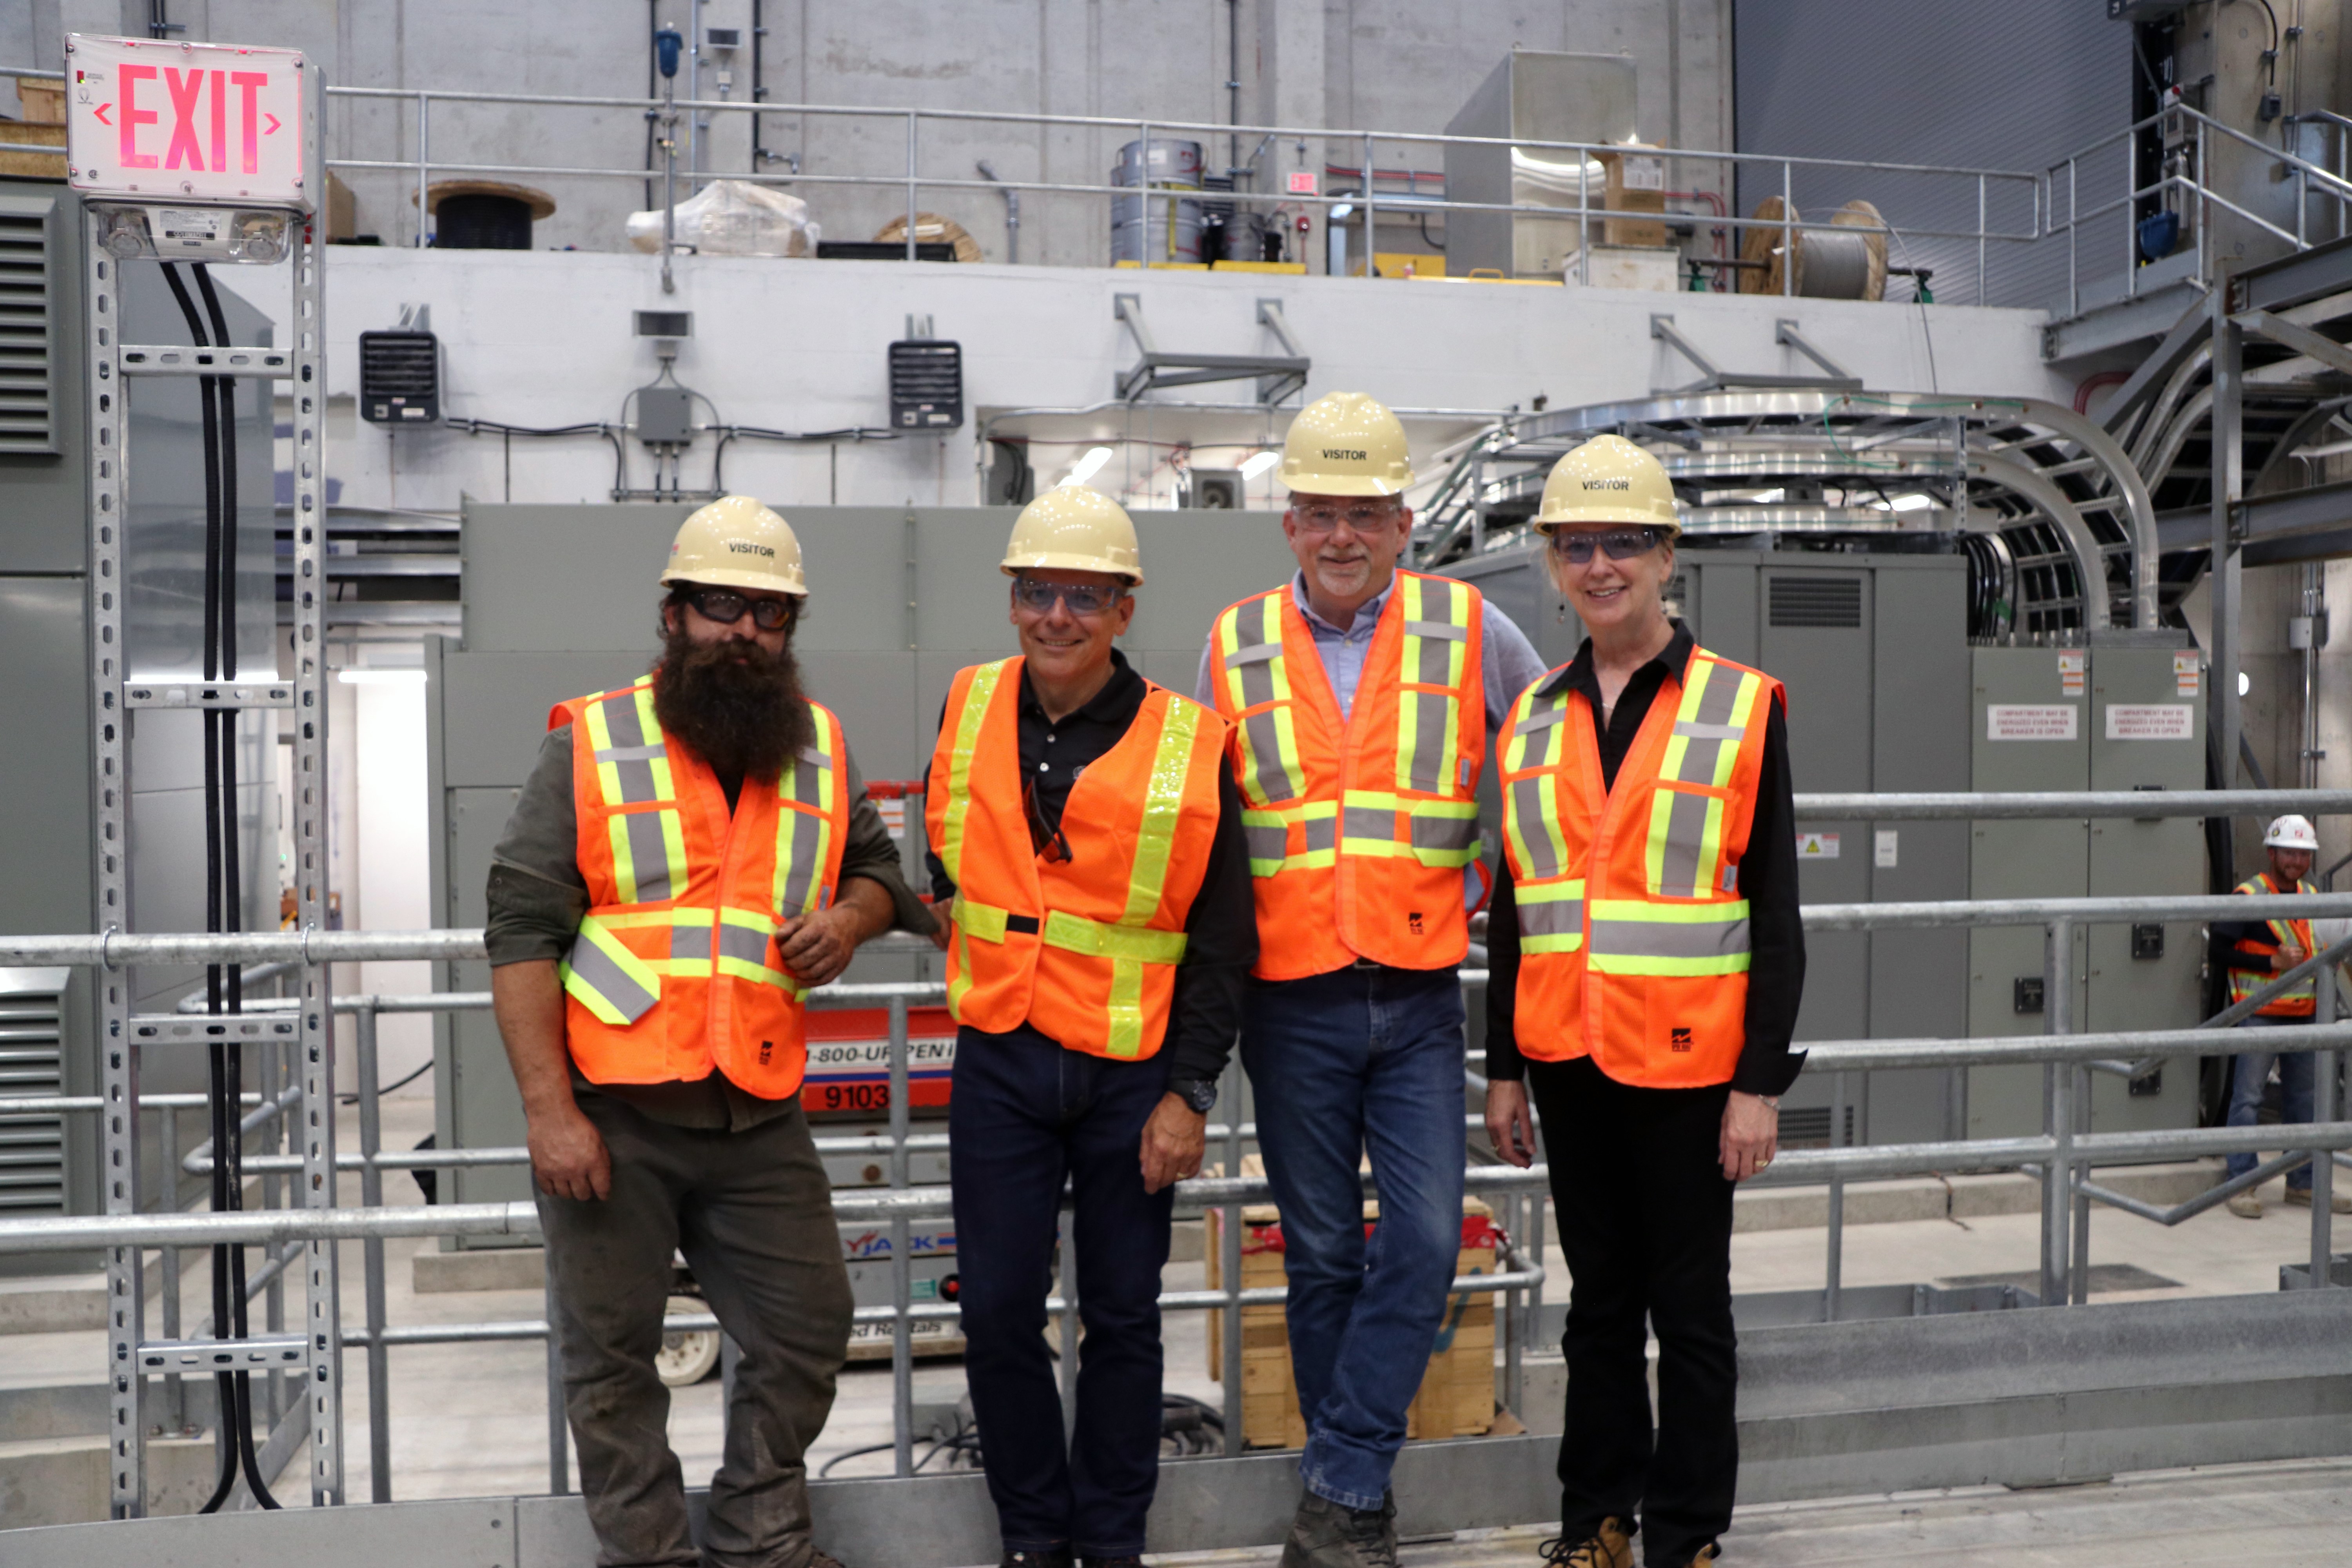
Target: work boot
[
  {"x": 2246, "y": 1205},
  {"x": 2337, "y": 1202},
  {"x": 1612, "y": 1547},
  {"x": 1035, "y": 1560},
  {"x": 1326, "y": 1534}
]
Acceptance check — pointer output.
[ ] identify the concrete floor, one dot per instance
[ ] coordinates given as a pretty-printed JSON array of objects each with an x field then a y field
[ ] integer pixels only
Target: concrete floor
[{"x": 470, "y": 1420}]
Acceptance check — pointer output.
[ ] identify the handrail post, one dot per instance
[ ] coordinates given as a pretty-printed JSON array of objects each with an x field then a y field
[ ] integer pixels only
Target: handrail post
[
  {"x": 1788, "y": 228},
  {"x": 1229, "y": 1263},
  {"x": 2324, "y": 1066},
  {"x": 1514, "y": 1321},
  {"x": 902, "y": 1328},
  {"x": 1583, "y": 220},
  {"x": 1981, "y": 242},
  {"x": 372, "y": 1254},
  {"x": 1371, "y": 224},
  {"x": 2058, "y": 1111},
  {"x": 424, "y": 135},
  {"x": 911, "y": 115},
  {"x": 1833, "y": 1282},
  {"x": 2079, "y": 1275}
]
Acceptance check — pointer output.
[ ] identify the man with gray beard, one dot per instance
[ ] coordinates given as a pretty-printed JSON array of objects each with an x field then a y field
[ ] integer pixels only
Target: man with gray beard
[{"x": 691, "y": 855}]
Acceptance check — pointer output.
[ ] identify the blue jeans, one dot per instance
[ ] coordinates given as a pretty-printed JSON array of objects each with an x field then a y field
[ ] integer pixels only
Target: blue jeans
[
  {"x": 1024, "y": 1115},
  {"x": 1355, "y": 1060},
  {"x": 2251, "y": 1073}
]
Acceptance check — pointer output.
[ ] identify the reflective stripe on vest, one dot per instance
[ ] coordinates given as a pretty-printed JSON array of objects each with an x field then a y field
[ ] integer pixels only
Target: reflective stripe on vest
[
  {"x": 1686, "y": 837},
  {"x": 2302, "y": 997},
  {"x": 1268, "y": 833},
  {"x": 1249, "y": 648},
  {"x": 1632, "y": 936},
  {"x": 805, "y": 838},
  {"x": 976, "y": 700},
  {"x": 633, "y": 769},
  {"x": 1436, "y": 640},
  {"x": 1531, "y": 817},
  {"x": 1434, "y": 832},
  {"x": 610, "y": 981},
  {"x": 1551, "y": 916}
]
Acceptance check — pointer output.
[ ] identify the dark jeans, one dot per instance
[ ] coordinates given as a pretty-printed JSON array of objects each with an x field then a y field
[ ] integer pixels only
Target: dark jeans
[
  {"x": 752, "y": 1211},
  {"x": 1024, "y": 1115},
  {"x": 1645, "y": 1230},
  {"x": 1360, "y": 1061},
  {"x": 2251, "y": 1077}
]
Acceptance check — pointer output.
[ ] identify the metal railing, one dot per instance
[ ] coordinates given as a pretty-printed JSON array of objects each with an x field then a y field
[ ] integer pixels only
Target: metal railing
[
  {"x": 2065, "y": 1146},
  {"x": 1366, "y": 203}
]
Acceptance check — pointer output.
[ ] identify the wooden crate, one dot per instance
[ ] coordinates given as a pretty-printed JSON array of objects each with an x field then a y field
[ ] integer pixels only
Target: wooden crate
[
  {"x": 1457, "y": 1390},
  {"x": 1636, "y": 183}
]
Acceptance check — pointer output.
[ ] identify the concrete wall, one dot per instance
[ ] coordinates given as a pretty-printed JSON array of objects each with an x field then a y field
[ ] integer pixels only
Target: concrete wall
[
  {"x": 544, "y": 339},
  {"x": 1401, "y": 65}
]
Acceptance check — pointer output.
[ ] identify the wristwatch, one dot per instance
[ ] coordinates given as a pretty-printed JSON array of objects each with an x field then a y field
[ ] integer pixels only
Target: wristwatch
[{"x": 1198, "y": 1093}]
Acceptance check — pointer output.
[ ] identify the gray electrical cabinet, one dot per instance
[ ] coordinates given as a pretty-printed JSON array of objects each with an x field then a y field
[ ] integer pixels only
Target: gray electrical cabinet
[
  {"x": 2125, "y": 712},
  {"x": 1873, "y": 651}
]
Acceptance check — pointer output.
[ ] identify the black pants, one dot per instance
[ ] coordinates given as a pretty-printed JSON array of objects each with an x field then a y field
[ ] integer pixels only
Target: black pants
[
  {"x": 1025, "y": 1114},
  {"x": 752, "y": 1211},
  {"x": 1645, "y": 1229}
]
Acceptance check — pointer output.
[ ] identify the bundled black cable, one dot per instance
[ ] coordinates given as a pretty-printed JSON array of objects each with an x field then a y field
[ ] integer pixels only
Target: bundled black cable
[{"x": 224, "y": 990}]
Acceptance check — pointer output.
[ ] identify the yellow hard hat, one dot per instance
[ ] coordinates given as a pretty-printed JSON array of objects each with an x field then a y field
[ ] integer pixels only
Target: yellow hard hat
[
  {"x": 1345, "y": 444},
  {"x": 737, "y": 542},
  {"x": 1608, "y": 480},
  {"x": 1075, "y": 529}
]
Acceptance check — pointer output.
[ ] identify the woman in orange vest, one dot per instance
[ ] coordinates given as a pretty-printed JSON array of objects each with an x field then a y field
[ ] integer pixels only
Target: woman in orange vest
[
  {"x": 1646, "y": 964},
  {"x": 1088, "y": 838}
]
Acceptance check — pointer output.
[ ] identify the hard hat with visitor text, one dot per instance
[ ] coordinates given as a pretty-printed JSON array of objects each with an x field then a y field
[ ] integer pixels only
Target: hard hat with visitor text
[
  {"x": 1074, "y": 528},
  {"x": 737, "y": 542},
  {"x": 1346, "y": 444},
  {"x": 1608, "y": 480},
  {"x": 2292, "y": 832}
]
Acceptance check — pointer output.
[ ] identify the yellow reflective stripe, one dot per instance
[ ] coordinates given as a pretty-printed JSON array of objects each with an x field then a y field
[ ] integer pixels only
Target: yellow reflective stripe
[
  {"x": 1551, "y": 916},
  {"x": 1684, "y": 842},
  {"x": 977, "y": 696},
  {"x": 1101, "y": 938},
  {"x": 1270, "y": 768},
  {"x": 1427, "y": 718},
  {"x": 959, "y": 984},
  {"x": 1123, "y": 1037},
  {"x": 615, "y": 985},
  {"x": 600, "y": 741},
  {"x": 1163, "y": 796},
  {"x": 1632, "y": 936},
  {"x": 985, "y": 922},
  {"x": 649, "y": 726},
  {"x": 1267, "y": 835},
  {"x": 667, "y": 880}
]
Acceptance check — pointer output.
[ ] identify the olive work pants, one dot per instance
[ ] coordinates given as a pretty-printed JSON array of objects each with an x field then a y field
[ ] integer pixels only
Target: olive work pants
[{"x": 753, "y": 1213}]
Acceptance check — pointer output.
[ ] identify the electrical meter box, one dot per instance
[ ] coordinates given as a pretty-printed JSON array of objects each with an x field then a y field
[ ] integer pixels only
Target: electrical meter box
[{"x": 2124, "y": 713}]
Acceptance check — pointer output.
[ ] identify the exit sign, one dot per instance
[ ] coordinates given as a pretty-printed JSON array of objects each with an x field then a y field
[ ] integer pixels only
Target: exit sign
[
  {"x": 159, "y": 121},
  {"x": 1302, "y": 182}
]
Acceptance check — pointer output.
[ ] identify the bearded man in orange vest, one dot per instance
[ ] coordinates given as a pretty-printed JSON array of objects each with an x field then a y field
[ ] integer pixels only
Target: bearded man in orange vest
[
  {"x": 1645, "y": 966},
  {"x": 691, "y": 854},
  {"x": 1088, "y": 838},
  {"x": 1361, "y": 699}
]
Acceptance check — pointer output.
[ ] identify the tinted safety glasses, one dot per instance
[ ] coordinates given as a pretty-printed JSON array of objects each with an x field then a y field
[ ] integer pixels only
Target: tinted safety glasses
[
  {"x": 1621, "y": 543},
  {"x": 726, "y": 607},
  {"x": 1036, "y": 596}
]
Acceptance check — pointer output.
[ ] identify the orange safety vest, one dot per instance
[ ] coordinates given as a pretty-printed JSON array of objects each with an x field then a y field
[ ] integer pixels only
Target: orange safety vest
[
  {"x": 1632, "y": 934},
  {"x": 1359, "y": 829},
  {"x": 1083, "y": 948},
  {"x": 675, "y": 971},
  {"x": 2300, "y": 1000}
]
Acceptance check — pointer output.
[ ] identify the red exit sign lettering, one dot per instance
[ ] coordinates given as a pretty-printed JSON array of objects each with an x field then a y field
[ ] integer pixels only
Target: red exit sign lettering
[{"x": 208, "y": 122}]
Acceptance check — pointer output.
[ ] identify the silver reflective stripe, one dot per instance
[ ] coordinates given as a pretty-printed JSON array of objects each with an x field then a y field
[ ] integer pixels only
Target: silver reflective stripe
[
  {"x": 1446, "y": 630},
  {"x": 1371, "y": 822},
  {"x": 1431, "y": 710},
  {"x": 1722, "y": 691},
  {"x": 1543, "y": 719},
  {"x": 743, "y": 944},
  {"x": 1255, "y": 654},
  {"x": 1252, "y": 652},
  {"x": 1526, "y": 804},
  {"x": 807, "y": 826},
  {"x": 690, "y": 942},
  {"x": 1322, "y": 833},
  {"x": 1444, "y": 832},
  {"x": 633, "y": 750},
  {"x": 1669, "y": 939},
  {"x": 1266, "y": 843},
  {"x": 1678, "y": 874},
  {"x": 1264, "y": 734},
  {"x": 1709, "y": 731},
  {"x": 650, "y": 855},
  {"x": 593, "y": 967},
  {"x": 1431, "y": 659},
  {"x": 1552, "y": 917},
  {"x": 807, "y": 771}
]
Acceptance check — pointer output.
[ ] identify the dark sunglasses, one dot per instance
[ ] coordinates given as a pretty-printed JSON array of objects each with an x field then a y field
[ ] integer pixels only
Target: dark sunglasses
[
  {"x": 726, "y": 607},
  {"x": 1036, "y": 596},
  {"x": 1622, "y": 544}
]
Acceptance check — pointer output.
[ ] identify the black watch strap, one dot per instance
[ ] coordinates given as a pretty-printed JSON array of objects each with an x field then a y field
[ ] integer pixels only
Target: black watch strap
[{"x": 1200, "y": 1094}]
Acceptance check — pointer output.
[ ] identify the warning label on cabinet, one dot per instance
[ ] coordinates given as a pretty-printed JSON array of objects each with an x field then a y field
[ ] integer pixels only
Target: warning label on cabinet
[
  {"x": 2151, "y": 722},
  {"x": 1817, "y": 845},
  {"x": 2074, "y": 665},
  {"x": 2030, "y": 721},
  {"x": 2184, "y": 673}
]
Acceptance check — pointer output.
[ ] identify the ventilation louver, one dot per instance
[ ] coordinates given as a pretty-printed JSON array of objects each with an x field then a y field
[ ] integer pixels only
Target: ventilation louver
[
  {"x": 32, "y": 1062},
  {"x": 28, "y": 329},
  {"x": 1832, "y": 603},
  {"x": 926, "y": 385},
  {"x": 400, "y": 377}
]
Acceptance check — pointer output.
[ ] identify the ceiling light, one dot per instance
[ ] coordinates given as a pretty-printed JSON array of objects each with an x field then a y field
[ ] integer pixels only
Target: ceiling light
[
  {"x": 1087, "y": 465},
  {"x": 1913, "y": 502},
  {"x": 1258, "y": 463}
]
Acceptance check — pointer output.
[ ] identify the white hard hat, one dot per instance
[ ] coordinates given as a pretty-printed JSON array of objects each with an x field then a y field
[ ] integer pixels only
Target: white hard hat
[
  {"x": 1608, "y": 480},
  {"x": 737, "y": 542},
  {"x": 1075, "y": 529},
  {"x": 1346, "y": 444},
  {"x": 2292, "y": 832}
]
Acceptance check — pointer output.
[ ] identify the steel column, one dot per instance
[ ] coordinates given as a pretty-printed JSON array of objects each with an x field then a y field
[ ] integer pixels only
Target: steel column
[
  {"x": 2228, "y": 464},
  {"x": 2058, "y": 1112},
  {"x": 372, "y": 1253},
  {"x": 902, "y": 1349}
]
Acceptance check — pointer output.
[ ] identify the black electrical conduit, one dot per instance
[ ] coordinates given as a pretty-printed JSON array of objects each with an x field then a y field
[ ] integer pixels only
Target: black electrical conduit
[{"x": 224, "y": 990}]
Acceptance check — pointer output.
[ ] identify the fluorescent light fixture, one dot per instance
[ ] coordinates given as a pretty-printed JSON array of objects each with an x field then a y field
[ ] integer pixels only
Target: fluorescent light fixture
[
  {"x": 2245, "y": 683},
  {"x": 367, "y": 676},
  {"x": 1086, "y": 466},
  {"x": 1914, "y": 502},
  {"x": 1258, "y": 463}
]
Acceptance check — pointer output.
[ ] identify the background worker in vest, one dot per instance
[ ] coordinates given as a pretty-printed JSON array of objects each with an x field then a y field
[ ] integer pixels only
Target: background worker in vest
[
  {"x": 1647, "y": 963},
  {"x": 2253, "y": 953},
  {"x": 1083, "y": 822},
  {"x": 1362, "y": 698},
  {"x": 689, "y": 856}
]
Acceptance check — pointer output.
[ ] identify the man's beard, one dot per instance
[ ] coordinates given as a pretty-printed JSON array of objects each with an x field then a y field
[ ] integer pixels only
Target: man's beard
[{"x": 735, "y": 705}]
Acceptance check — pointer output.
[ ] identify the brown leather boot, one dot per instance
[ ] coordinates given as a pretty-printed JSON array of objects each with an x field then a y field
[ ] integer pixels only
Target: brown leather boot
[{"x": 1612, "y": 1547}]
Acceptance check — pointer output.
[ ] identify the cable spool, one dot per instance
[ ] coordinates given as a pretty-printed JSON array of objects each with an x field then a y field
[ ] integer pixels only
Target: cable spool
[
  {"x": 1847, "y": 261},
  {"x": 931, "y": 228}
]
